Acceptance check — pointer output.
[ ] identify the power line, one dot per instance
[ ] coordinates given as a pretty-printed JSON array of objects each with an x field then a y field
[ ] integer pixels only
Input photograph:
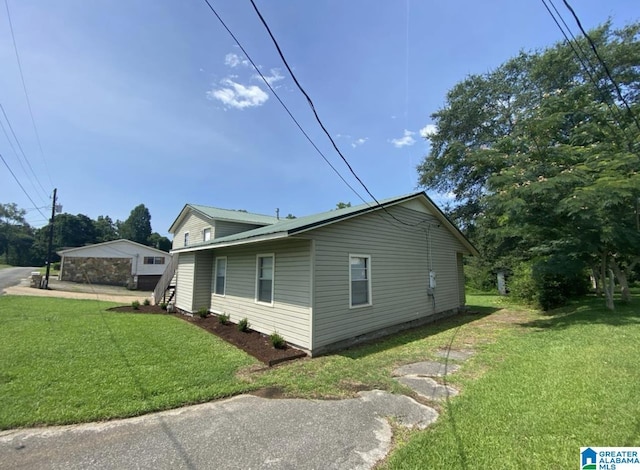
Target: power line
[
  {"x": 589, "y": 69},
  {"x": 281, "y": 102},
  {"x": 20, "y": 184},
  {"x": 309, "y": 101},
  {"x": 44, "y": 191},
  {"x": 382, "y": 206},
  {"x": 26, "y": 94},
  {"x": 315, "y": 113},
  {"x": 604, "y": 64}
]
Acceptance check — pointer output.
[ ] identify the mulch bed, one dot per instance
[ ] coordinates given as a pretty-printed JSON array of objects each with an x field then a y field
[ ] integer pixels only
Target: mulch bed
[{"x": 252, "y": 342}]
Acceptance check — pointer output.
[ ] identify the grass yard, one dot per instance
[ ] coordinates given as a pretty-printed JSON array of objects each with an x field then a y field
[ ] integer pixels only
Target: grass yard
[
  {"x": 560, "y": 382},
  {"x": 65, "y": 361},
  {"x": 4, "y": 266},
  {"x": 369, "y": 366},
  {"x": 538, "y": 388}
]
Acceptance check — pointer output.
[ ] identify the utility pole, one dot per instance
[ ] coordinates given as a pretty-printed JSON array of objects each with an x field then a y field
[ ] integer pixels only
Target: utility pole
[{"x": 45, "y": 284}]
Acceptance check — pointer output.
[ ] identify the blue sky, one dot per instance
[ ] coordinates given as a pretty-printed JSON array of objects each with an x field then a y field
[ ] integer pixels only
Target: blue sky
[{"x": 152, "y": 102}]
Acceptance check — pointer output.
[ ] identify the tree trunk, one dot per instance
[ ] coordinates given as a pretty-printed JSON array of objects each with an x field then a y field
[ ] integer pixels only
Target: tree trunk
[
  {"x": 597, "y": 286},
  {"x": 622, "y": 280},
  {"x": 607, "y": 287}
]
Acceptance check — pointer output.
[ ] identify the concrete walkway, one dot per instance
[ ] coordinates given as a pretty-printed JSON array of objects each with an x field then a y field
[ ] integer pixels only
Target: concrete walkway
[
  {"x": 242, "y": 432},
  {"x": 74, "y": 290},
  {"x": 245, "y": 432}
]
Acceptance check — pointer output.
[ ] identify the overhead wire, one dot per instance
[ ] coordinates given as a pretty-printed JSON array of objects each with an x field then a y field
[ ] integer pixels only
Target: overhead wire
[
  {"x": 603, "y": 63},
  {"x": 24, "y": 156},
  {"x": 20, "y": 184},
  {"x": 589, "y": 68},
  {"x": 26, "y": 93},
  {"x": 317, "y": 117},
  {"x": 298, "y": 125}
]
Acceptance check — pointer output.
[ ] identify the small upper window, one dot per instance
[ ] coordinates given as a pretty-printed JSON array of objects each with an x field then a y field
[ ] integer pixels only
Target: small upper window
[
  {"x": 186, "y": 238},
  {"x": 360, "y": 280},
  {"x": 206, "y": 234},
  {"x": 153, "y": 260}
]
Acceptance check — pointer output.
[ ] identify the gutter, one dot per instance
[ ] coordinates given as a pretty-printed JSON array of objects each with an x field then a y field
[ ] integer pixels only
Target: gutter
[{"x": 242, "y": 241}]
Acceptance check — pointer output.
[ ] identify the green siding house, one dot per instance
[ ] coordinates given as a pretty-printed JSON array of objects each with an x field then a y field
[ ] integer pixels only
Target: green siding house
[{"x": 324, "y": 281}]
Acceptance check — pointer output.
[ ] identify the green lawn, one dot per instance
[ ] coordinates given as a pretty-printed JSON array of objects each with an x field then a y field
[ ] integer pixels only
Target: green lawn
[
  {"x": 560, "y": 382},
  {"x": 64, "y": 361},
  {"x": 4, "y": 266},
  {"x": 538, "y": 388},
  {"x": 369, "y": 366}
]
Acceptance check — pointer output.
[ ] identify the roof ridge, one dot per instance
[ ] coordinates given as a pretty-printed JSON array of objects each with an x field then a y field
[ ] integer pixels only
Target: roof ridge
[{"x": 241, "y": 211}]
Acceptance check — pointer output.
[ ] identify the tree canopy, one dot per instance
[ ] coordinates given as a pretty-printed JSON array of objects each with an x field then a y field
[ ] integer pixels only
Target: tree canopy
[
  {"x": 137, "y": 227},
  {"x": 22, "y": 245},
  {"x": 543, "y": 158},
  {"x": 16, "y": 236}
]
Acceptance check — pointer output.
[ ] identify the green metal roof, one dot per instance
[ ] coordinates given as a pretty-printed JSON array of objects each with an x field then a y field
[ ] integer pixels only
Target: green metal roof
[
  {"x": 234, "y": 215},
  {"x": 223, "y": 214},
  {"x": 287, "y": 227}
]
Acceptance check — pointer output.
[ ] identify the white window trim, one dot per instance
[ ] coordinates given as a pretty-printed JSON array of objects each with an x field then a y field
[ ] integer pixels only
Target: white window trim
[
  {"x": 369, "y": 293},
  {"x": 215, "y": 275},
  {"x": 185, "y": 237},
  {"x": 273, "y": 278},
  {"x": 204, "y": 231}
]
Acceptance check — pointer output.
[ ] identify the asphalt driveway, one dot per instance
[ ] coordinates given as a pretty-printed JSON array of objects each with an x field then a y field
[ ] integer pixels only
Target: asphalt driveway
[
  {"x": 244, "y": 432},
  {"x": 13, "y": 276}
]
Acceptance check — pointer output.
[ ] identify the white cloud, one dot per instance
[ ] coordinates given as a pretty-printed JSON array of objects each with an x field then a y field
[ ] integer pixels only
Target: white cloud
[
  {"x": 234, "y": 60},
  {"x": 237, "y": 95},
  {"x": 359, "y": 141},
  {"x": 275, "y": 76},
  {"x": 405, "y": 141},
  {"x": 427, "y": 131}
]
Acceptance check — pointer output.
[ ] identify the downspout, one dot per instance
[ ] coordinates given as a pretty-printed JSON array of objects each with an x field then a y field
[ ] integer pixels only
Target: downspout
[
  {"x": 135, "y": 271},
  {"x": 312, "y": 280}
]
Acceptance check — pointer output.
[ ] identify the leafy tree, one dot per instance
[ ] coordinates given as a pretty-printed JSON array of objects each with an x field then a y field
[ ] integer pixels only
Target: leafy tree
[
  {"x": 69, "y": 231},
  {"x": 343, "y": 205},
  {"x": 544, "y": 164},
  {"x": 290, "y": 216},
  {"x": 137, "y": 227},
  {"x": 105, "y": 228},
  {"x": 16, "y": 236},
  {"x": 159, "y": 242}
]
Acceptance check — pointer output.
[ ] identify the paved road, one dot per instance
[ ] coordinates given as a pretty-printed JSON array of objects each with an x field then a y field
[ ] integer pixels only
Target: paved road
[
  {"x": 244, "y": 432},
  {"x": 12, "y": 276}
]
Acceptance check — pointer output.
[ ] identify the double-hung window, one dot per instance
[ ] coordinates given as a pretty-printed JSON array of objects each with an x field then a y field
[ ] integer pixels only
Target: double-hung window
[
  {"x": 186, "y": 239},
  {"x": 264, "y": 278},
  {"x": 220, "y": 280},
  {"x": 206, "y": 234},
  {"x": 359, "y": 280}
]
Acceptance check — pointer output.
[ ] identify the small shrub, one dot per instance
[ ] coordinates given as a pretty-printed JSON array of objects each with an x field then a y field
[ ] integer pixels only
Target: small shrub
[
  {"x": 548, "y": 282},
  {"x": 163, "y": 305},
  {"x": 203, "y": 312},
  {"x": 146, "y": 302},
  {"x": 243, "y": 325},
  {"x": 135, "y": 305},
  {"x": 223, "y": 318},
  {"x": 276, "y": 340}
]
